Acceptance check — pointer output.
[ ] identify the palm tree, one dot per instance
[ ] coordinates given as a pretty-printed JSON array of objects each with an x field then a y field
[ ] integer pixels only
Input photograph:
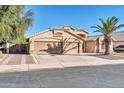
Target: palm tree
[{"x": 107, "y": 28}]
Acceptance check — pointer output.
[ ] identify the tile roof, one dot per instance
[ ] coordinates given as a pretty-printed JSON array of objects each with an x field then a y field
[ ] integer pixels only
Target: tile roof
[
  {"x": 117, "y": 36},
  {"x": 94, "y": 37}
]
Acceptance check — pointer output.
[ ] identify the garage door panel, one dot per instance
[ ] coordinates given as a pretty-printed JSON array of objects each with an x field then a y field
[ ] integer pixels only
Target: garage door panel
[
  {"x": 55, "y": 48},
  {"x": 47, "y": 47},
  {"x": 40, "y": 47},
  {"x": 71, "y": 48}
]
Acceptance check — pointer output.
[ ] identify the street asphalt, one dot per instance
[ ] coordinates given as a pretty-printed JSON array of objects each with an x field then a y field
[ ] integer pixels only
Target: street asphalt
[{"x": 108, "y": 76}]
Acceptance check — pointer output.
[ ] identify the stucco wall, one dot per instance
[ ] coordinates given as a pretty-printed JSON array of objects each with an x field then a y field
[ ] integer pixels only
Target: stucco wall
[{"x": 90, "y": 46}]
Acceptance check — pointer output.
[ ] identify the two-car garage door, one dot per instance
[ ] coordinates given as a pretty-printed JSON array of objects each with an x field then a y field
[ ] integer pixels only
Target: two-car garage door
[{"x": 56, "y": 47}]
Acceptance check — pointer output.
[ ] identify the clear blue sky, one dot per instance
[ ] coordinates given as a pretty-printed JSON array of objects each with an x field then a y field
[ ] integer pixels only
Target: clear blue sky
[{"x": 77, "y": 16}]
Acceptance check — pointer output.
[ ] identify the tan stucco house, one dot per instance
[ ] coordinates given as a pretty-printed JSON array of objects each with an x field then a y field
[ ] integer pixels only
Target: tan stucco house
[
  {"x": 60, "y": 40},
  {"x": 98, "y": 42},
  {"x": 68, "y": 40}
]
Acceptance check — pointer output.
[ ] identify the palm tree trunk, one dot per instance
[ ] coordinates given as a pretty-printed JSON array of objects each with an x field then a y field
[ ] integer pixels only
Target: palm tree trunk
[
  {"x": 107, "y": 45},
  {"x": 106, "y": 48}
]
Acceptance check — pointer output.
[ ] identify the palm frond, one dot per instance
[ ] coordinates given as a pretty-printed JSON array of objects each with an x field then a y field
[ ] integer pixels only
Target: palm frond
[{"x": 108, "y": 26}]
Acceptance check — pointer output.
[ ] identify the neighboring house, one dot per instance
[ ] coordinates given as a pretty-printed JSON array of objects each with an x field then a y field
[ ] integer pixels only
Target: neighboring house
[
  {"x": 97, "y": 44},
  {"x": 118, "y": 38},
  {"x": 60, "y": 40}
]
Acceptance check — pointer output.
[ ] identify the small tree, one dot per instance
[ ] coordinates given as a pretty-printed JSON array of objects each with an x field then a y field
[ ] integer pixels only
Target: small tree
[{"x": 14, "y": 22}]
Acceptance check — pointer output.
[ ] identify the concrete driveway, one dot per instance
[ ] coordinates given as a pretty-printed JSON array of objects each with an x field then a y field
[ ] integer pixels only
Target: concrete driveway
[{"x": 74, "y": 60}]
